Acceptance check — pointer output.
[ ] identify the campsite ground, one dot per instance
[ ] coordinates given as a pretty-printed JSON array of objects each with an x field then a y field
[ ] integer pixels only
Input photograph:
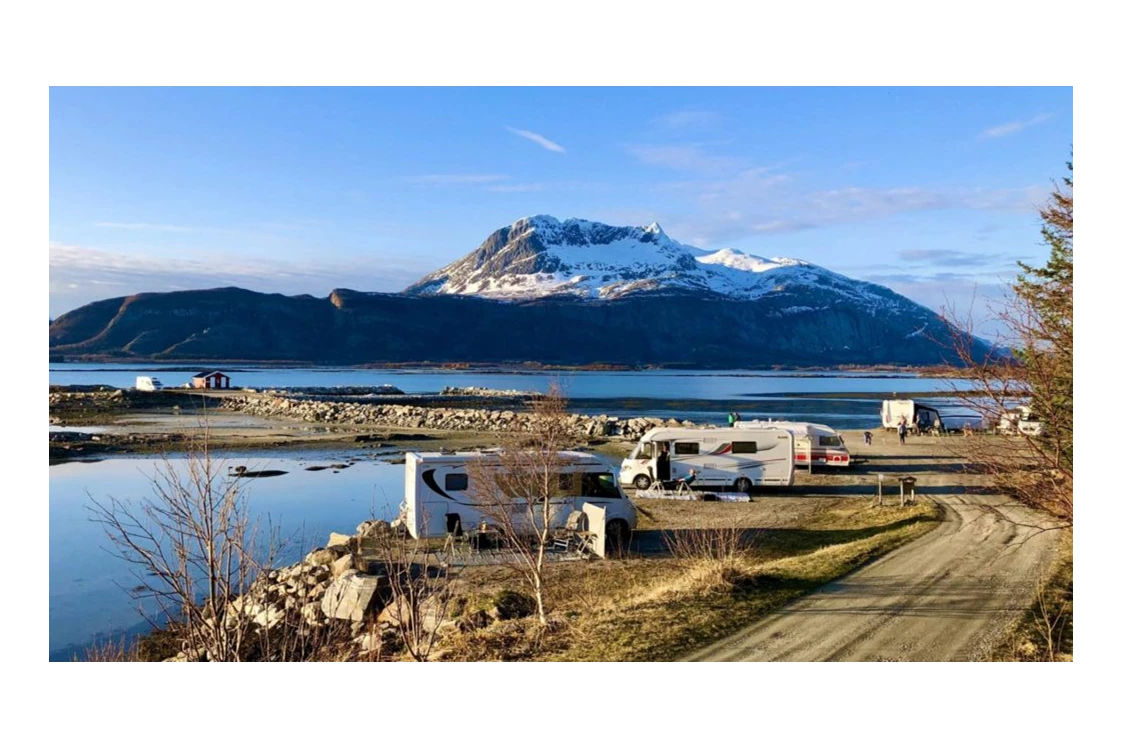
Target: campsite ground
[{"x": 816, "y": 571}]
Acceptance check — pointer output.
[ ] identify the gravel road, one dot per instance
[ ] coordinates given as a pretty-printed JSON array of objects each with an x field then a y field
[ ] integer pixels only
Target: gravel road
[{"x": 948, "y": 596}]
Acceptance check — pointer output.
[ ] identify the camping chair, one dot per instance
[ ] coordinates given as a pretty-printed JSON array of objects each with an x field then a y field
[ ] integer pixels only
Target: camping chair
[
  {"x": 682, "y": 487},
  {"x": 574, "y": 536}
]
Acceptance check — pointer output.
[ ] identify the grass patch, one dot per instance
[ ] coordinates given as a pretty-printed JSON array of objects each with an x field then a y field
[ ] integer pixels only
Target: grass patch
[
  {"x": 655, "y": 609},
  {"x": 1044, "y": 632}
]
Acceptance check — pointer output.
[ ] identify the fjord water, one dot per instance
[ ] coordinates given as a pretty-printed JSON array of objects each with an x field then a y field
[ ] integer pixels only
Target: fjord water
[
  {"x": 699, "y": 395},
  {"x": 89, "y": 585}
]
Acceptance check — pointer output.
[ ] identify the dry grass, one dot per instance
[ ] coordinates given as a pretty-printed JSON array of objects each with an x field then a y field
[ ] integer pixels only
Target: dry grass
[
  {"x": 708, "y": 586},
  {"x": 1044, "y": 633}
]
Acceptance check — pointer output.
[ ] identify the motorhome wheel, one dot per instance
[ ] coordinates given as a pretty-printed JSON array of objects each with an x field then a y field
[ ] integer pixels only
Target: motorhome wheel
[
  {"x": 642, "y": 482},
  {"x": 742, "y": 485},
  {"x": 617, "y": 536}
]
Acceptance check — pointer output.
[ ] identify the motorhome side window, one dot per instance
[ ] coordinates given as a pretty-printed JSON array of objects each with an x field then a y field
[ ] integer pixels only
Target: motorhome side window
[
  {"x": 744, "y": 448},
  {"x": 686, "y": 448},
  {"x": 830, "y": 441},
  {"x": 456, "y": 482}
]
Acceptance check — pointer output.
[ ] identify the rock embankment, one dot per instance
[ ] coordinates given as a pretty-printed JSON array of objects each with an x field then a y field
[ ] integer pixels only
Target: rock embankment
[
  {"x": 484, "y": 392},
  {"x": 339, "y": 603},
  {"x": 350, "y": 390},
  {"x": 437, "y": 419}
]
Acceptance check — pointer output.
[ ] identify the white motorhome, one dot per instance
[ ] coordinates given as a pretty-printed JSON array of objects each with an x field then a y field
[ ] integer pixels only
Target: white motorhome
[
  {"x": 736, "y": 457},
  {"x": 815, "y": 443},
  {"x": 439, "y": 497},
  {"x": 917, "y": 417},
  {"x": 1020, "y": 420},
  {"x": 148, "y": 384}
]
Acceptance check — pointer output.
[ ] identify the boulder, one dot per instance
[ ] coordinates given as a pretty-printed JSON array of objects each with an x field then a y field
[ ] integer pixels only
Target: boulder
[
  {"x": 342, "y": 564},
  {"x": 321, "y": 557},
  {"x": 337, "y": 539},
  {"x": 351, "y": 596}
]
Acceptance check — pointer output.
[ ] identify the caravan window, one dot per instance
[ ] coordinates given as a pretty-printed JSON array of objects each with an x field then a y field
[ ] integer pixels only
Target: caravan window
[
  {"x": 456, "y": 482},
  {"x": 830, "y": 441},
  {"x": 744, "y": 448},
  {"x": 686, "y": 448}
]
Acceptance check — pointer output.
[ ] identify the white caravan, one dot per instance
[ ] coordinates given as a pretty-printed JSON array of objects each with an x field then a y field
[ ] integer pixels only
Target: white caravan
[
  {"x": 815, "y": 443},
  {"x": 1020, "y": 420},
  {"x": 917, "y": 417},
  {"x": 736, "y": 457},
  {"x": 439, "y": 497},
  {"x": 148, "y": 384}
]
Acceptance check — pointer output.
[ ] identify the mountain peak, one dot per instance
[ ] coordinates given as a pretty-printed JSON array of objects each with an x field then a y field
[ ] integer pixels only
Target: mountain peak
[{"x": 540, "y": 255}]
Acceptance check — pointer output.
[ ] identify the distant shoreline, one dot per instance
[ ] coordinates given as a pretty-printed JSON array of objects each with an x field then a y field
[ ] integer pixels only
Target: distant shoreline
[{"x": 164, "y": 365}]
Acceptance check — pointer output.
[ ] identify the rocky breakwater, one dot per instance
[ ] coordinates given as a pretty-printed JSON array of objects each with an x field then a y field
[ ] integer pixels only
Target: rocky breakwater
[
  {"x": 484, "y": 392},
  {"x": 437, "y": 419}
]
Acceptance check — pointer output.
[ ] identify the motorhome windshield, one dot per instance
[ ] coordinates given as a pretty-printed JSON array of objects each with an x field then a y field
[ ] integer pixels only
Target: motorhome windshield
[{"x": 643, "y": 451}]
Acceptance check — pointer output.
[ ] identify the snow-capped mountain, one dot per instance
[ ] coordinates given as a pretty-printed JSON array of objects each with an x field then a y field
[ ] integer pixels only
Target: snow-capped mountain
[
  {"x": 562, "y": 292},
  {"x": 542, "y": 256}
]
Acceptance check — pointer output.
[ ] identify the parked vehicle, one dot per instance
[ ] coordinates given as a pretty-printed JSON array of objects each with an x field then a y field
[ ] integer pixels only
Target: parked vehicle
[
  {"x": 918, "y": 417},
  {"x": 739, "y": 458},
  {"x": 148, "y": 384},
  {"x": 1020, "y": 419},
  {"x": 815, "y": 443},
  {"x": 439, "y": 497}
]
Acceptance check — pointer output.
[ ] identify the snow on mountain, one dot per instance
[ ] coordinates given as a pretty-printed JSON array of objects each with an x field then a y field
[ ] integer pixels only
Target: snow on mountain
[{"x": 542, "y": 256}]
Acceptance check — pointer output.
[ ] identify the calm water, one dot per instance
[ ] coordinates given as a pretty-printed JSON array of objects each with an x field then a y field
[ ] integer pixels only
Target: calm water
[
  {"x": 89, "y": 587},
  {"x": 578, "y": 384},
  {"x": 700, "y": 396}
]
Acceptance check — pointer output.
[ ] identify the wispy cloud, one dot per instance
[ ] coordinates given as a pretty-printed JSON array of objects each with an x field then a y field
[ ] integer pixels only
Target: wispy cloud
[
  {"x": 142, "y": 226},
  {"x": 780, "y": 227},
  {"x": 529, "y": 187},
  {"x": 692, "y": 158},
  {"x": 442, "y": 179},
  {"x": 1001, "y": 131},
  {"x": 81, "y": 274},
  {"x": 946, "y": 257},
  {"x": 541, "y": 140},
  {"x": 686, "y": 118}
]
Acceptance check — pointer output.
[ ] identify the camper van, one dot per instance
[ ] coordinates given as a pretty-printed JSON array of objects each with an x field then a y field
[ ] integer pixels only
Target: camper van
[
  {"x": 736, "y": 457},
  {"x": 917, "y": 417},
  {"x": 1020, "y": 420},
  {"x": 815, "y": 443},
  {"x": 148, "y": 384},
  {"x": 439, "y": 497}
]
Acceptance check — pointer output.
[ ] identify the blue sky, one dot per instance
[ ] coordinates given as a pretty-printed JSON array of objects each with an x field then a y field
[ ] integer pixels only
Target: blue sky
[{"x": 931, "y": 192}]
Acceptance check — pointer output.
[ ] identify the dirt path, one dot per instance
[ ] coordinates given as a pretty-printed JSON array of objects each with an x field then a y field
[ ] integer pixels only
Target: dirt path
[{"x": 947, "y": 596}]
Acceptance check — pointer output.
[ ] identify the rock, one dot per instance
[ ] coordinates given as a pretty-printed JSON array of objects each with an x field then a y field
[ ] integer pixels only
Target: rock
[
  {"x": 341, "y": 565},
  {"x": 337, "y": 539},
  {"x": 268, "y": 617},
  {"x": 321, "y": 557},
  {"x": 351, "y": 596}
]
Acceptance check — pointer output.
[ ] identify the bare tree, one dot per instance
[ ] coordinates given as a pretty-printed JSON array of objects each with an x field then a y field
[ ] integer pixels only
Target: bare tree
[
  {"x": 1034, "y": 365},
  {"x": 195, "y": 551},
  {"x": 421, "y": 589},
  {"x": 519, "y": 490}
]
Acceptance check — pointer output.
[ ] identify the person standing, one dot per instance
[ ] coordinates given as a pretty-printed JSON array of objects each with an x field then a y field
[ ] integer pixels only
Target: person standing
[
  {"x": 731, "y": 417},
  {"x": 902, "y": 429}
]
